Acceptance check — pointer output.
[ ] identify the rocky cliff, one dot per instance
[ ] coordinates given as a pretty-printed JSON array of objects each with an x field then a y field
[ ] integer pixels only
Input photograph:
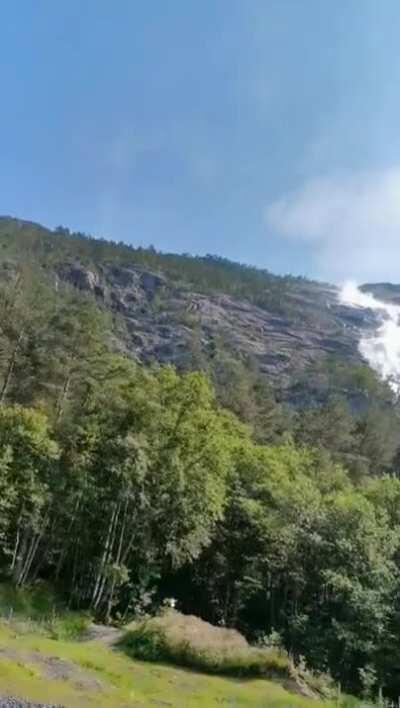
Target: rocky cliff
[
  {"x": 162, "y": 321},
  {"x": 168, "y": 317}
]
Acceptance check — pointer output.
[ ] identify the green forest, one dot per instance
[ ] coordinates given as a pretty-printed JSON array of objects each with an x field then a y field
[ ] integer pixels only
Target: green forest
[{"x": 123, "y": 485}]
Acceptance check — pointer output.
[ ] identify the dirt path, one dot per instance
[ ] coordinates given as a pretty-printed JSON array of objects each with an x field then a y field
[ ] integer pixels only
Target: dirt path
[
  {"x": 54, "y": 668},
  {"x": 104, "y": 634}
]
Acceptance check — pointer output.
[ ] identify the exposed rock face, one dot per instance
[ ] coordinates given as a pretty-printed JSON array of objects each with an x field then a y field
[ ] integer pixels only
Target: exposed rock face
[
  {"x": 388, "y": 292},
  {"x": 80, "y": 277},
  {"x": 162, "y": 321},
  {"x": 168, "y": 322}
]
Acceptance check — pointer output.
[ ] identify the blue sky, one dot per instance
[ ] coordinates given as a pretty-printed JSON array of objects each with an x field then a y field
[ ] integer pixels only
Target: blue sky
[{"x": 262, "y": 130}]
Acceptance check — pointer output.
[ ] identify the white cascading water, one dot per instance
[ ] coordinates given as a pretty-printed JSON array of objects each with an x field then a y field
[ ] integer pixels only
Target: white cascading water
[{"x": 382, "y": 348}]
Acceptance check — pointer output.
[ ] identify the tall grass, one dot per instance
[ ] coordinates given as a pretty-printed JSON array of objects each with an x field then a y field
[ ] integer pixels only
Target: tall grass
[
  {"x": 188, "y": 641},
  {"x": 38, "y": 609}
]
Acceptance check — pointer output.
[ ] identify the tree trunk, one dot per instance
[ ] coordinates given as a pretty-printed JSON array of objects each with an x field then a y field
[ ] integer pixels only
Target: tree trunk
[
  {"x": 16, "y": 545},
  {"x": 117, "y": 561},
  {"x": 10, "y": 368},
  {"x": 103, "y": 584},
  {"x": 63, "y": 397},
  {"x": 36, "y": 538},
  {"x": 25, "y": 560},
  {"x": 20, "y": 556},
  {"x": 66, "y": 546},
  {"x": 97, "y": 585}
]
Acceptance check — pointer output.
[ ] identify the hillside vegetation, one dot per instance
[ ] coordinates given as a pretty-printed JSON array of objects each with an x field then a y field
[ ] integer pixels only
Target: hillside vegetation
[
  {"x": 78, "y": 670},
  {"x": 200, "y": 312},
  {"x": 201, "y": 274},
  {"x": 126, "y": 481},
  {"x": 87, "y": 674}
]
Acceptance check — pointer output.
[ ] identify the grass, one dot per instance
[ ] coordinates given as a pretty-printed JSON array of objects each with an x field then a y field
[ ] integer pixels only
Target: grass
[
  {"x": 131, "y": 683},
  {"x": 38, "y": 609},
  {"x": 41, "y": 637}
]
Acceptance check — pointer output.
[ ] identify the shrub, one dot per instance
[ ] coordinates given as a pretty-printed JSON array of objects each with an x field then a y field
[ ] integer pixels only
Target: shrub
[
  {"x": 69, "y": 625},
  {"x": 35, "y": 602},
  {"x": 189, "y": 641}
]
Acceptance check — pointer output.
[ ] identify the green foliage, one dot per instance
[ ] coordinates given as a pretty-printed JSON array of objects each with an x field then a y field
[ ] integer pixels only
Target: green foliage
[
  {"x": 39, "y": 609},
  {"x": 67, "y": 626},
  {"x": 209, "y": 274},
  {"x": 123, "y": 484},
  {"x": 36, "y": 602}
]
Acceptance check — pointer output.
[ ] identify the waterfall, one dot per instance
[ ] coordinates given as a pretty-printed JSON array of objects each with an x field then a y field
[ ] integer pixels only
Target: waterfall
[{"x": 382, "y": 347}]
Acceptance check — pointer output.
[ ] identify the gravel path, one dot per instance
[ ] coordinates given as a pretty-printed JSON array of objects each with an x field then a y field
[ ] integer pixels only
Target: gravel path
[{"x": 104, "y": 633}]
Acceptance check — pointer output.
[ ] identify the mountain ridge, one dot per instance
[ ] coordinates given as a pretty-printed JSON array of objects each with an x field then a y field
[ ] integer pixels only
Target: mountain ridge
[{"x": 178, "y": 308}]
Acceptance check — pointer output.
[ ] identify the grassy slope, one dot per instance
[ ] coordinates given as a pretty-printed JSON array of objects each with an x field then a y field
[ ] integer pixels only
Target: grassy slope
[{"x": 123, "y": 682}]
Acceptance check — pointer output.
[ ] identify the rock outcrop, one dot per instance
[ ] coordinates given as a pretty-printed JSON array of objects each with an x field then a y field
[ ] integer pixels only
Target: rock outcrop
[
  {"x": 162, "y": 321},
  {"x": 295, "y": 323}
]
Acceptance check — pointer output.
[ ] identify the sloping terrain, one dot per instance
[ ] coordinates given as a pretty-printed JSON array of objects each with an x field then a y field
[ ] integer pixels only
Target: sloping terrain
[
  {"x": 88, "y": 674},
  {"x": 387, "y": 292},
  {"x": 180, "y": 309},
  {"x": 162, "y": 320}
]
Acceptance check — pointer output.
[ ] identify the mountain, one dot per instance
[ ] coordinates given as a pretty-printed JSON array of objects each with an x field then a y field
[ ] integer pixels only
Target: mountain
[
  {"x": 260, "y": 495},
  {"x": 184, "y": 310}
]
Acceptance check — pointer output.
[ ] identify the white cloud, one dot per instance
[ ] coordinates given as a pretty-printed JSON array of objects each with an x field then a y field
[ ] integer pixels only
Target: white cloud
[{"x": 349, "y": 222}]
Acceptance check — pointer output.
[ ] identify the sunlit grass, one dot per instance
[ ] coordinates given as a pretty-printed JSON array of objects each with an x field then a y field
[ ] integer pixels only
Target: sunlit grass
[
  {"x": 35, "y": 626},
  {"x": 126, "y": 682}
]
